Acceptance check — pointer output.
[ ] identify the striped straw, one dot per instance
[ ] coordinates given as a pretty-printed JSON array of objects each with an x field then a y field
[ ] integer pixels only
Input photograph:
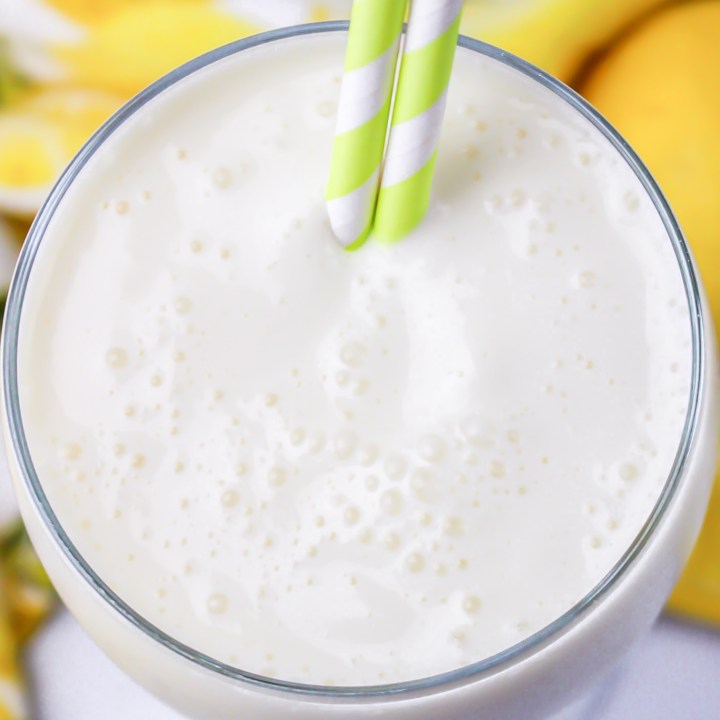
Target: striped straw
[
  {"x": 417, "y": 116},
  {"x": 363, "y": 112}
]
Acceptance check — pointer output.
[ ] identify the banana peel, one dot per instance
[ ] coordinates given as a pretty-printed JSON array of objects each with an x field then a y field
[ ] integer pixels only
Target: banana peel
[
  {"x": 111, "y": 56},
  {"x": 40, "y": 131},
  {"x": 556, "y": 35},
  {"x": 697, "y": 595},
  {"x": 12, "y": 82},
  {"x": 13, "y": 704},
  {"x": 26, "y": 599},
  {"x": 29, "y": 594},
  {"x": 658, "y": 86},
  {"x": 120, "y": 46},
  {"x": 123, "y": 46}
]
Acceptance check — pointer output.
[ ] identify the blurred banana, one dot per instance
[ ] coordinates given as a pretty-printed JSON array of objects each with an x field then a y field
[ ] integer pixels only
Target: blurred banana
[
  {"x": 29, "y": 594},
  {"x": 12, "y": 694},
  {"x": 557, "y": 35}
]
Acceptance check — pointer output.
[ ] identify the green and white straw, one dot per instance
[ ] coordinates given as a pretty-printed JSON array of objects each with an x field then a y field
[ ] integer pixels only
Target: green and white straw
[
  {"x": 418, "y": 112},
  {"x": 380, "y": 178},
  {"x": 363, "y": 113}
]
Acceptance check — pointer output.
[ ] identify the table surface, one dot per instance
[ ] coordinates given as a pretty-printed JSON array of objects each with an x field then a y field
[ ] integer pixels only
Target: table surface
[{"x": 672, "y": 674}]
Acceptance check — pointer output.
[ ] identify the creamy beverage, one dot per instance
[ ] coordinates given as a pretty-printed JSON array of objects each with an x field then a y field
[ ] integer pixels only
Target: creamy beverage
[{"x": 352, "y": 468}]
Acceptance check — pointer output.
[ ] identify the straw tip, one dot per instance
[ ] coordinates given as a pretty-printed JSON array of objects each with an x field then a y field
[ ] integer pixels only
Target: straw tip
[{"x": 350, "y": 231}]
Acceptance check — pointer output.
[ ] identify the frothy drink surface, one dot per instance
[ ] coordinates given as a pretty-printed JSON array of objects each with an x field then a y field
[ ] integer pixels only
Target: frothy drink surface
[{"x": 352, "y": 468}]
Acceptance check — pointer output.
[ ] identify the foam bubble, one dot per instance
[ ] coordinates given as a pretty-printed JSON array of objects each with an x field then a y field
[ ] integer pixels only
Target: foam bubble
[
  {"x": 584, "y": 280},
  {"x": 217, "y": 603},
  {"x": 326, "y": 108},
  {"x": 72, "y": 451},
  {"x": 395, "y": 466},
  {"x": 477, "y": 431},
  {"x": 116, "y": 358},
  {"x": 453, "y": 526},
  {"x": 415, "y": 562},
  {"x": 351, "y": 515},
  {"x": 222, "y": 178},
  {"x": 372, "y": 482},
  {"x": 368, "y": 454},
  {"x": 365, "y": 536},
  {"x": 229, "y": 499},
  {"x": 628, "y": 471},
  {"x": 344, "y": 444},
  {"x": 352, "y": 354},
  {"x": 471, "y": 604},
  {"x": 182, "y": 305},
  {"x": 431, "y": 448},
  {"x": 422, "y": 484},
  {"x": 391, "y": 502},
  {"x": 277, "y": 476}
]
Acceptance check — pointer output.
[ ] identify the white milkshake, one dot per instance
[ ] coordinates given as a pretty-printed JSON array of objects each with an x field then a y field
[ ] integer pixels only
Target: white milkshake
[{"x": 352, "y": 468}]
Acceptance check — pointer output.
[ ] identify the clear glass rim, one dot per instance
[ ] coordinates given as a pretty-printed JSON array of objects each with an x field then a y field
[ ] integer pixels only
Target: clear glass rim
[{"x": 436, "y": 683}]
